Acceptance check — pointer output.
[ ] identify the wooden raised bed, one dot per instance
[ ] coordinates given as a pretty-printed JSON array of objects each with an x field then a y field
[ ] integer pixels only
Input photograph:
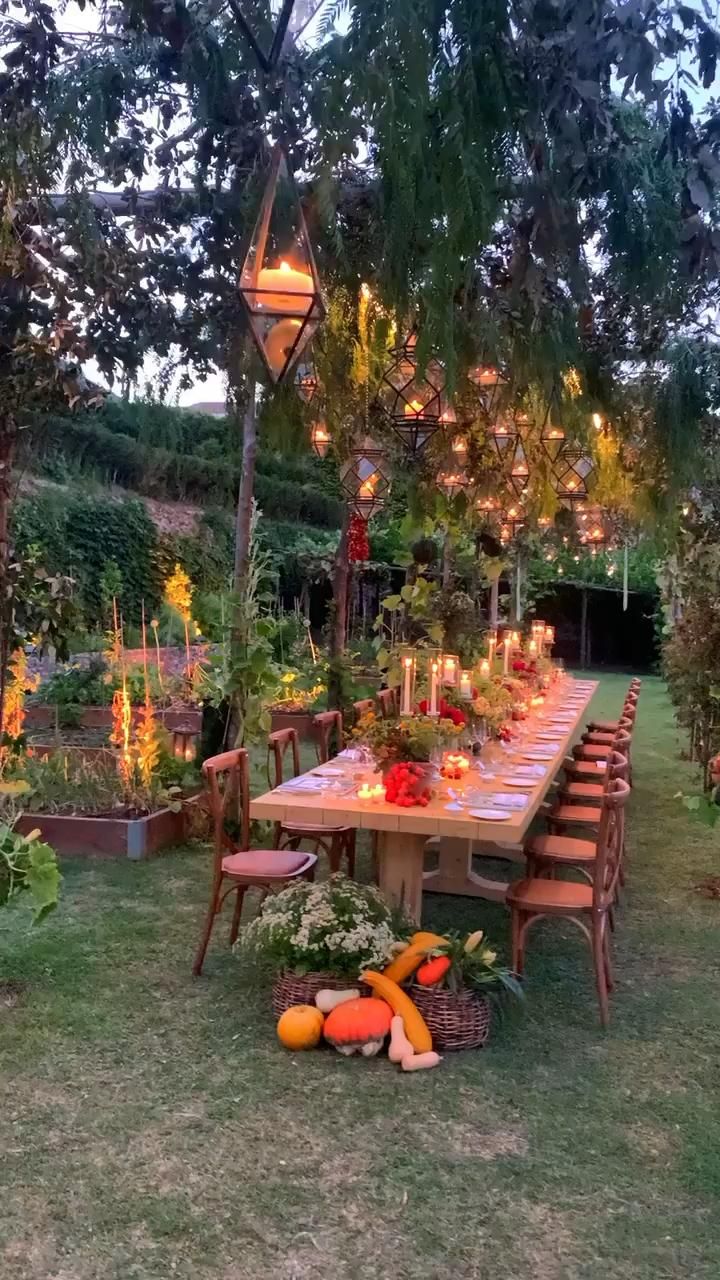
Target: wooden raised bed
[
  {"x": 300, "y": 720},
  {"x": 134, "y": 838},
  {"x": 41, "y": 717}
]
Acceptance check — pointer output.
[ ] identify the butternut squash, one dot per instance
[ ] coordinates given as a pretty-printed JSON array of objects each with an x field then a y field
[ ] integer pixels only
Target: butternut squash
[
  {"x": 327, "y": 999},
  {"x": 405, "y": 964},
  {"x": 416, "y": 1028},
  {"x": 400, "y": 1046},
  {"x": 420, "y": 1061}
]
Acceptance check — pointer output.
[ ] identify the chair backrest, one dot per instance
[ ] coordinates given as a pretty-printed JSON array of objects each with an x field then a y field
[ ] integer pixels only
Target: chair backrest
[
  {"x": 326, "y": 724},
  {"x": 279, "y": 743},
  {"x": 618, "y": 766},
  {"x": 387, "y": 702},
  {"x": 362, "y": 707},
  {"x": 227, "y": 786},
  {"x": 610, "y": 843}
]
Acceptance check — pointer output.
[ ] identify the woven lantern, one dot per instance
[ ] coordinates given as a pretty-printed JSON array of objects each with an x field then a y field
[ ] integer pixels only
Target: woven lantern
[
  {"x": 319, "y": 439},
  {"x": 365, "y": 479},
  {"x": 413, "y": 402},
  {"x": 279, "y": 283}
]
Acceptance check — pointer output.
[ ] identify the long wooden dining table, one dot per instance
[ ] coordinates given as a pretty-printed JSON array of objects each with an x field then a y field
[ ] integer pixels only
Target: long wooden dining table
[{"x": 327, "y": 795}]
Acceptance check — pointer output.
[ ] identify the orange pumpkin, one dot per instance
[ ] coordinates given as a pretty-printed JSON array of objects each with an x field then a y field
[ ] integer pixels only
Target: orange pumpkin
[
  {"x": 300, "y": 1027},
  {"x": 358, "y": 1026}
]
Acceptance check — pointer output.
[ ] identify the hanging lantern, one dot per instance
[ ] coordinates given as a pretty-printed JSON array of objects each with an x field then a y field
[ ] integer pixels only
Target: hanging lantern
[
  {"x": 413, "y": 402},
  {"x": 458, "y": 447},
  {"x": 489, "y": 383},
  {"x": 504, "y": 436},
  {"x": 552, "y": 440},
  {"x": 451, "y": 483},
  {"x": 306, "y": 381},
  {"x": 365, "y": 479},
  {"x": 319, "y": 439},
  {"x": 572, "y": 472},
  {"x": 544, "y": 523},
  {"x": 519, "y": 470},
  {"x": 512, "y": 520},
  {"x": 358, "y": 541},
  {"x": 279, "y": 283},
  {"x": 488, "y": 506}
]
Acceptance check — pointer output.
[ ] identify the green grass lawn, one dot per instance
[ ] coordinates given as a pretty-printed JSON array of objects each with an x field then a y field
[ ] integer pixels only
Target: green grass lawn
[{"x": 152, "y": 1127}]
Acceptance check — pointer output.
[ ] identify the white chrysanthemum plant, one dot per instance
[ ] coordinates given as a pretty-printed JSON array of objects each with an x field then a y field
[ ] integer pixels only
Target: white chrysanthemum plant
[{"x": 335, "y": 926}]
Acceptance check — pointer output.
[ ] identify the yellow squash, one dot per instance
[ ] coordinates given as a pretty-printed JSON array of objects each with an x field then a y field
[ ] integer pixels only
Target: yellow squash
[
  {"x": 416, "y": 1028},
  {"x": 404, "y": 965}
]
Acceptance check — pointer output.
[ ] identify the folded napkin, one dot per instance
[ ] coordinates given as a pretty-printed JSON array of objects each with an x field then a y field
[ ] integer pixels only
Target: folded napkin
[
  {"x": 304, "y": 783},
  {"x": 505, "y": 800}
]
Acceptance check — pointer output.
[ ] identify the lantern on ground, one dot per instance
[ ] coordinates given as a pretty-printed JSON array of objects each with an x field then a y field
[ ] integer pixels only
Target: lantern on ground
[
  {"x": 319, "y": 439},
  {"x": 307, "y": 382},
  {"x": 184, "y": 743},
  {"x": 279, "y": 283},
  {"x": 489, "y": 383},
  {"x": 412, "y": 401},
  {"x": 365, "y": 479}
]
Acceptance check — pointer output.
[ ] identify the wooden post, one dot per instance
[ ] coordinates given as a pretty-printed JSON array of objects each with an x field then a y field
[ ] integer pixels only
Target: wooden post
[
  {"x": 494, "y": 597},
  {"x": 583, "y": 629}
]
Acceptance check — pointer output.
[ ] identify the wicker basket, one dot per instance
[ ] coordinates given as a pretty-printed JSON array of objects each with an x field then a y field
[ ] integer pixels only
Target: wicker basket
[
  {"x": 456, "y": 1019},
  {"x": 294, "y": 988}
]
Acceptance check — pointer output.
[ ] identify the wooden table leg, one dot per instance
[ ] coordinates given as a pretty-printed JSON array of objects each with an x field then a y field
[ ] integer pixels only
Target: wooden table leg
[
  {"x": 455, "y": 873},
  {"x": 400, "y": 855}
]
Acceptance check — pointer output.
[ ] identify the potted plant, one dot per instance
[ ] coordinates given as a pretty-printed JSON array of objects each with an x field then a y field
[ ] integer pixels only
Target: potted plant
[
  {"x": 453, "y": 990},
  {"x": 296, "y": 702},
  {"x": 311, "y": 936}
]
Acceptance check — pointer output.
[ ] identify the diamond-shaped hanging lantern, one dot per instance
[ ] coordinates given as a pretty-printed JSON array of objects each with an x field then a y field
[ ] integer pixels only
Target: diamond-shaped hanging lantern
[
  {"x": 279, "y": 283},
  {"x": 319, "y": 439},
  {"x": 452, "y": 482},
  {"x": 488, "y": 506},
  {"x": 307, "y": 382},
  {"x": 512, "y": 520},
  {"x": 552, "y": 441},
  {"x": 519, "y": 470},
  {"x": 504, "y": 435},
  {"x": 365, "y": 479},
  {"x": 489, "y": 383},
  {"x": 458, "y": 448},
  {"x": 572, "y": 472},
  {"x": 412, "y": 401}
]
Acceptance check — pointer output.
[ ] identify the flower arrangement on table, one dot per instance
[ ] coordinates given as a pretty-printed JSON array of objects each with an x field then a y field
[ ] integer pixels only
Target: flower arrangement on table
[
  {"x": 492, "y": 701},
  {"x": 402, "y": 749}
]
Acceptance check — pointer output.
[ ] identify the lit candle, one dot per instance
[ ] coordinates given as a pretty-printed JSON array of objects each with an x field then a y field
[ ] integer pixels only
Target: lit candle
[
  {"x": 507, "y": 645},
  {"x": 484, "y": 667},
  {"x": 533, "y": 649},
  {"x": 367, "y": 488},
  {"x": 434, "y": 680},
  {"x": 515, "y": 639},
  {"x": 365, "y": 792},
  {"x": 549, "y": 636},
  {"x": 285, "y": 289},
  {"x": 492, "y": 644},
  {"x": 406, "y": 706},
  {"x": 466, "y": 686},
  {"x": 449, "y": 674},
  {"x": 413, "y": 408}
]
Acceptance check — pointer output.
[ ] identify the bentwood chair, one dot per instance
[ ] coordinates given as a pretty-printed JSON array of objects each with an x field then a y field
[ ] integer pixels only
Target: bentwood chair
[
  {"x": 335, "y": 842},
  {"x": 328, "y": 725},
  {"x": 235, "y": 867},
  {"x": 601, "y": 737},
  {"x": 587, "y": 906},
  {"x": 361, "y": 708},
  {"x": 609, "y": 726},
  {"x": 546, "y": 852},
  {"x": 387, "y": 702}
]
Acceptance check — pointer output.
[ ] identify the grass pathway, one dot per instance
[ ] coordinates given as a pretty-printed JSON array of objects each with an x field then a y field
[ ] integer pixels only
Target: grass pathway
[{"x": 151, "y": 1127}]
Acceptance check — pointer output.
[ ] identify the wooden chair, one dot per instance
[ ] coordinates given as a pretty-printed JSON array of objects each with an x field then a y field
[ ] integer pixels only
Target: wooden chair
[
  {"x": 589, "y": 764},
  {"x": 335, "y": 842},
  {"x": 601, "y": 737},
  {"x": 387, "y": 702},
  {"x": 586, "y": 905},
  {"x": 576, "y": 812},
  {"x": 326, "y": 724},
  {"x": 608, "y": 726},
  {"x": 581, "y": 792},
  {"x": 362, "y": 707},
  {"x": 236, "y": 867}
]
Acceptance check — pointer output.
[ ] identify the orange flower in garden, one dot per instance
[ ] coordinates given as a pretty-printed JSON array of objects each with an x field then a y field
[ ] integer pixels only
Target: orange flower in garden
[{"x": 178, "y": 592}]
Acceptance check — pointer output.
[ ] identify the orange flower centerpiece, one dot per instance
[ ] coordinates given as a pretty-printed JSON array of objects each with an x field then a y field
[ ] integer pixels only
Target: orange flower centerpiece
[{"x": 402, "y": 750}]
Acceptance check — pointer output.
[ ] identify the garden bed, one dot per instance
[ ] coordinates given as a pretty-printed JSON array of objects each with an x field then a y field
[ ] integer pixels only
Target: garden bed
[
  {"x": 43, "y": 716},
  {"x": 108, "y": 837}
]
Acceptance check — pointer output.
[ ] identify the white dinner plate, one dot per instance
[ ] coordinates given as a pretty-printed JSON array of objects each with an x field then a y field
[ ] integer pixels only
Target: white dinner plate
[
  {"x": 490, "y": 815},
  {"x": 537, "y": 755},
  {"x": 525, "y": 784}
]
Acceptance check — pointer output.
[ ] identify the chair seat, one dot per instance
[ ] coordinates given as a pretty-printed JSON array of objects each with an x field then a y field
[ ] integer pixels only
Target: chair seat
[
  {"x": 562, "y": 849},
  {"x": 587, "y": 815},
  {"x": 587, "y": 768},
  {"x": 554, "y": 896},
  {"x": 591, "y": 752},
  {"x": 603, "y": 726},
  {"x": 267, "y": 864},
  {"x": 583, "y": 790},
  {"x": 598, "y": 739},
  {"x": 313, "y": 829}
]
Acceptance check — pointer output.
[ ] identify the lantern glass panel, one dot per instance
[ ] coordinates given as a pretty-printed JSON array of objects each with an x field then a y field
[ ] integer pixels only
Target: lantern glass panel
[
  {"x": 279, "y": 283},
  {"x": 365, "y": 479}
]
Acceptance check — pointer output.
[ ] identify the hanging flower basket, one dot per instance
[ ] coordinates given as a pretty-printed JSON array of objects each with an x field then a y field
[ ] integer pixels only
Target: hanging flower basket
[{"x": 456, "y": 1019}]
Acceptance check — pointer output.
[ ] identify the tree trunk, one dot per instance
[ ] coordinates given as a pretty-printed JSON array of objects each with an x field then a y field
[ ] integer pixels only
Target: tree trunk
[
  {"x": 245, "y": 493},
  {"x": 338, "y": 632},
  {"x": 8, "y": 437}
]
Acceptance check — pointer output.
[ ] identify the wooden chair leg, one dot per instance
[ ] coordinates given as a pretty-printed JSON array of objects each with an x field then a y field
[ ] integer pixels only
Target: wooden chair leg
[
  {"x": 237, "y": 912},
  {"x": 518, "y": 945},
  {"x": 608, "y": 962},
  {"x": 598, "y": 950},
  {"x": 350, "y": 853},
  {"x": 335, "y": 852},
  {"x": 207, "y": 930}
]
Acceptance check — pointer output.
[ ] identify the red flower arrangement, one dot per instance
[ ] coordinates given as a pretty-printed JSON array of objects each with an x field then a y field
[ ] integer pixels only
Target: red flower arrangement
[
  {"x": 447, "y": 712},
  {"x": 402, "y": 785}
]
